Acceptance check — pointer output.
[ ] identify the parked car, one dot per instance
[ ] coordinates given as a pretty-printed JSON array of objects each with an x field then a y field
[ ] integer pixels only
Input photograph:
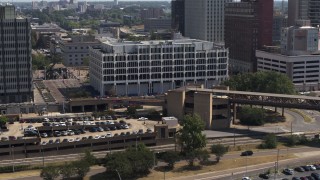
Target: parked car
[
  {"x": 312, "y": 167},
  {"x": 71, "y": 140},
  {"x": 299, "y": 169},
  {"x": 246, "y": 178},
  {"x": 12, "y": 138},
  {"x": 140, "y": 131},
  {"x": 64, "y": 133},
  {"x": 247, "y": 153},
  {"x": 306, "y": 168},
  {"x": 84, "y": 138},
  {"x": 44, "y": 143},
  {"x": 288, "y": 171},
  {"x": 70, "y": 132},
  {"x": 4, "y": 139},
  {"x": 44, "y": 135},
  {"x": 82, "y": 131},
  {"x": 57, "y": 141},
  {"x": 149, "y": 130},
  {"x": 264, "y": 175},
  {"x": 100, "y": 129},
  {"x": 90, "y": 137},
  {"x": 109, "y": 135},
  {"x": 317, "y": 166},
  {"x": 57, "y": 133},
  {"x": 50, "y": 141},
  {"x": 122, "y": 134},
  {"x": 97, "y": 137},
  {"x": 315, "y": 175},
  {"x": 107, "y": 129},
  {"x": 310, "y": 178},
  {"x": 102, "y": 136},
  {"x": 65, "y": 140},
  {"x": 93, "y": 129}
]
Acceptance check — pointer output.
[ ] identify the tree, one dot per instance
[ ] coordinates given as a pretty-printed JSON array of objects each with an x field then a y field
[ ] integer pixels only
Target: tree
[
  {"x": 170, "y": 157},
  {"x": 131, "y": 110},
  {"x": 81, "y": 168},
  {"x": 219, "y": 150},
  {"x": 203, "y": 155},
  {"x": 89, "y": 157},
  {"x": 269, "y": 141},
  {"x": 3, "y": 121},
  {"x": 262, "y": 81},
  {"x": 67, "y": 170},
  {"x": 251, "y": 116},
  {"x": 86, "y": 61},
  {"x": 191, "y": 137},
  {"x": 49, "y": 173},
  {"x": 39, "y": 62},
  {"x": 118, "y": 162}
]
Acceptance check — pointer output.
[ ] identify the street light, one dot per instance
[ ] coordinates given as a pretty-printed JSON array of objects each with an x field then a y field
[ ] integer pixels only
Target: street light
[
  {"x": 137, "y": 143},
  {"x": 118, "y": 174},
  {"x": 42, "y": 155}
]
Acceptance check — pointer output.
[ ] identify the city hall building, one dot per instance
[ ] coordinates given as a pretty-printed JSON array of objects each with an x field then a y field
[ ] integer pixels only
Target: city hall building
[{"x": 127, "y": 68}]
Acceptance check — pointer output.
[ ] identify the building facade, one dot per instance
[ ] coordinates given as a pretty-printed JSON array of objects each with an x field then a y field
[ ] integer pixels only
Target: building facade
[
  {"x": 15, "y": 56},
  {"x": 279, "y": 22},
  {"x": 204, "y": 19},
  {"x": 248, "y": 26},
  {"x": 154, "y": 24},
  {"x": 153, "y": 67},
  {"x": 214, "y": 110},
  {"x": 76, "y": 49},
  {"x": 303, "y": 70},
  {"x": 177, "y": 16},
  {"x": 300, "y": 39},
  {"x": 151, "y": 13},
  {"x": 304, "y": 10}
]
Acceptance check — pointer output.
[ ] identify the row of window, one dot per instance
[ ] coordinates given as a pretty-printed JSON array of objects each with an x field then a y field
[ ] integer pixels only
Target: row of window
[{"x": 164, "y": 76}]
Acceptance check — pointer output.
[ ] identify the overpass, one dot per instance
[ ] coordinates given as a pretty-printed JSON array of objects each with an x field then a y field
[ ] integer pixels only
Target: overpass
[{"x": 266, "y": 99}]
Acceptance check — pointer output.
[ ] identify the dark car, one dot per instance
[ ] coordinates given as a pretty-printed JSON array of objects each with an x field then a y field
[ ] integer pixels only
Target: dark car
[
  {"x": 315, "y": 175},
  {"x": 303, "y": 178},
  {"x": 264, "y": 176},
  {"x": 57, "y": 133},
  {"x": 122, "y": 134},
  {"x": 288, "y": 171},
  {"x": 77, "y": 132},
  {"x": 306, "y": 168},
  {"x": 247, "y": 153},
  {"x": 310, "y": 178},
  {"x": 299, "y": 169},
  {"x": 84, "y": 138},
  {"x": 65, "y": 140},
  {"x": 94, "y": 129},
  {"x": 113, "y": 128},
  {"x": 12, "y": 138},
  {"x": 295, "y": 178},
  {"x": 90, "y": 137},
  {"x": 317, "y": 166},
  {"x": 106, "y": 129},
  {"x": 82, "y": 131},
  {"x": 51, "y": 141}
]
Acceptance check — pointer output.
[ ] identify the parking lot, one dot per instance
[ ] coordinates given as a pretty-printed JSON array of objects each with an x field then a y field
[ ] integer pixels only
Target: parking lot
[
  {"x": 87, "y": 128},
  {"x": 305, "y": 172}
]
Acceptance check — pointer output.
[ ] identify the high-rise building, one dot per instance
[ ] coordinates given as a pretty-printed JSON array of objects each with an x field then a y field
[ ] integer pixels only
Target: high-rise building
[
  {"x": 279, "y": 22},
  {"x": 154, "y": 67},
  {"x": 177, "y": 16},
  {"x": 115, "y": 2},
  {"x": 248, "y": 26},
  {"x": 15, "y": 57},
  {"x": 151, "y": 13},
  {"x": 204, "y": 19},
  {"x": 304, "y": 10}
]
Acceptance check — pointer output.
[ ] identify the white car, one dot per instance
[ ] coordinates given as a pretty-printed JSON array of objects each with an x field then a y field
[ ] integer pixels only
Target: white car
[
  {"x": 109, "y": 135},
  {"x": 142, "y": 119},
  {"x": 70, "y": 132},
  {"x": 44, "y": 143},
  {"x": 126, "y": 126},
  {"x": 70, "y": 120},
  {"x": 71, "y": 140},
  {"x": 77, "y": 139},
  {"x": 102, "y": 136},
  {"x": 62, "y": 124},
  {"x": 97, "y": 137},
  {"x": 246, "y": 178},
  {"x": 312, "y": 167},
  {"x": 64, "y": 133},
  {"x": 98, "y": 118}
]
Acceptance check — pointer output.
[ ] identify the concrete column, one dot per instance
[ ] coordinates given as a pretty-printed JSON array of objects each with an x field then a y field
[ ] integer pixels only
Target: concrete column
[
  {"x": 234, "y": 113},
  {"x": 282, "y": 112},
  {"x": 95, "y": 108},
  {"x": 82, "y": 108},
  {"x": 275, "y": 109}
]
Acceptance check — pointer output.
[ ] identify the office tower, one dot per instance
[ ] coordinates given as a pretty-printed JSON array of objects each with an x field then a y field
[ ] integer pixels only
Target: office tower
[
  {"x": 115, "y": 2},
  {"x": 153, "y": 67},
  {"x": 177, "y": 16},
  {"x": 151, "y": 13},
  {"x": 204, "y": 19},
  {"x": 15, "y": 56},
  {"x": 248, "y": 26},
  {"x": 304, "y": 10}
]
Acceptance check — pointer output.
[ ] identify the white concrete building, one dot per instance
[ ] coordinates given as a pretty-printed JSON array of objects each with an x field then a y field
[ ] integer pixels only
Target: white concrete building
[
  {"x": 303, "y": 70},
  {"x": 153, "y": 67},
  {"x": 204, "y": 19},
  {"x": 15, "y": 57}
]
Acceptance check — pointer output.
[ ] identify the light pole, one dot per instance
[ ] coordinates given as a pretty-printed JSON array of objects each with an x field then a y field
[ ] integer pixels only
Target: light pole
[
  {"x": 12, "y": 153},
  {"x": 118, "y": 174},
  {"x": 42, "y": 155},
  {"x": 137, "y": 143}
]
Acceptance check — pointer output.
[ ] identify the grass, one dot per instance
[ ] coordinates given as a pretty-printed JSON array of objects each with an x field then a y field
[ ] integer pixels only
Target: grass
[
  {"x": 306, "y": 118},
  {"x": 182, "y": 170}
]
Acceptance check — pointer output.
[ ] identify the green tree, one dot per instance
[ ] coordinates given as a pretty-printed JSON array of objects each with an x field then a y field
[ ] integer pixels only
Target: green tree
[
  {"x": 131, "y": 110},
  {"x": 49, "y": 173},
  {"x": 86, "y": 61},
  {"x": 251, "y": 116},
  {"x": 67, "y": 170},
  {"x": 39, "y": 62},
  {"x": 89, "y": 157},
  {"x": 170, "y": 157},
  {"x": 293, "y": 140},
  {"x": 203, "y": 155},
  {"x": 270, "y": 141},
  {"x": 118, "y": 162},
  {"x": 219, "y": 150},
  {"x": 191, "y": 137},
  {"x": 81, "y": 168},
  {"x": 3, "y": 121},
  {"x": 262, "y": 81}
]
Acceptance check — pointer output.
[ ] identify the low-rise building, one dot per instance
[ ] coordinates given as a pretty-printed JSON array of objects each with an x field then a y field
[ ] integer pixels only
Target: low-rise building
[
  {"x": 153, "y": 67},
  {"x": 212, "y": 109}
]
